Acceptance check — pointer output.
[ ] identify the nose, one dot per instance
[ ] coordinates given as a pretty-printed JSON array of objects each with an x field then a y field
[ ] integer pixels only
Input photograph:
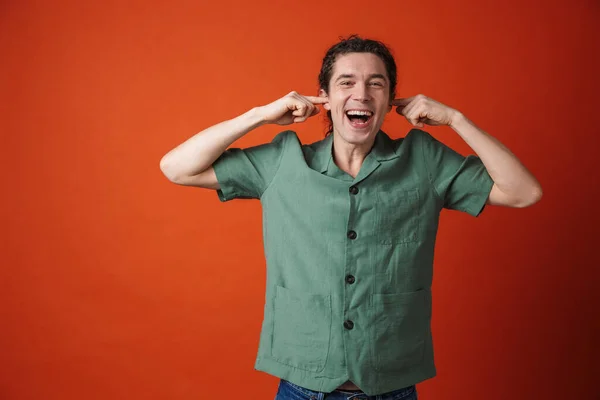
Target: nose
[{"x": 361, "y": 93}]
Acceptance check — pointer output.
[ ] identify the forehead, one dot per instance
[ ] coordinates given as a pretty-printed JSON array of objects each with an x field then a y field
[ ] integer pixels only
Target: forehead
[{"x": 359, "y": 64}]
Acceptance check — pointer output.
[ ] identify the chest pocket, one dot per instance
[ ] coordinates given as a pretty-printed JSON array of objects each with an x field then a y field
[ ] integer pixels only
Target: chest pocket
[{"x": 397, "y": 216}]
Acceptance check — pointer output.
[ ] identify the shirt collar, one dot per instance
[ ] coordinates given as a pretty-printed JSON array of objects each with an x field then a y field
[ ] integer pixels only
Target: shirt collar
[{"x": 382, "y": 150}]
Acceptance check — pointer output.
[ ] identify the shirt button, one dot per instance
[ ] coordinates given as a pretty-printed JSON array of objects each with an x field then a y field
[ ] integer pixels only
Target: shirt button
[
  {"x": 350, "y": 279},
  {"x": 351, "y": 235},
  {"x": 353, "y": 189},
  {"x": 348, "y": 324}
]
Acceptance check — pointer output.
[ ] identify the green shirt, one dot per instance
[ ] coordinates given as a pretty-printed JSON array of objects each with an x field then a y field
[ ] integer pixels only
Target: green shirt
[{"x": 350, "y": 260}]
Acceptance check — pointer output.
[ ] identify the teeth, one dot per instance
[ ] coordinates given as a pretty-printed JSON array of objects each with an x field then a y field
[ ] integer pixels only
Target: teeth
[{"x": 359, "y": 112}]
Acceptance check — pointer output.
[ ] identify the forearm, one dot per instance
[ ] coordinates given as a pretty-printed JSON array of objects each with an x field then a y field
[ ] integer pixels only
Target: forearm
[
  {"x": 508, "y": 173},
  {"x": 200, "y": 151}
]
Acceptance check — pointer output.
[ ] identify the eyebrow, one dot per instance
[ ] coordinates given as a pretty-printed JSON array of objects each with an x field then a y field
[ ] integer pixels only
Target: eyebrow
[{"x": 372, "y": 76}]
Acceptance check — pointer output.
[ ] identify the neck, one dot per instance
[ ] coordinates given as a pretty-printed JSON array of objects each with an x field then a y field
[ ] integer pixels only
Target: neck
[{"x": 348, "y": 156}]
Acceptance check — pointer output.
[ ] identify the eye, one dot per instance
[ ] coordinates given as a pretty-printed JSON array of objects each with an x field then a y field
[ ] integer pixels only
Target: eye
[
  {"x": 345, "y": 83},
  {"x": 377, "y": 84}
]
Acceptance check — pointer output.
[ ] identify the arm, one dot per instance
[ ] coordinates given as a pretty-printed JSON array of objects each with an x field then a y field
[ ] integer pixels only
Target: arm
[
  {"x": 514, "y": 185},
  {"x": 191, "y": 162}
]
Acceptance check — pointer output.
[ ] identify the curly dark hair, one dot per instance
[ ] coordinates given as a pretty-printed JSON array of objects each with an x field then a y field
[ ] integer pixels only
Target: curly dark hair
[{"x": 356, "y": 44}]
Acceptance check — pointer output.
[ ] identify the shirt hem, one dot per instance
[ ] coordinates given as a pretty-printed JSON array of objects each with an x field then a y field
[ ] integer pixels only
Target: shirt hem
[{"x": 387, "y": 381}]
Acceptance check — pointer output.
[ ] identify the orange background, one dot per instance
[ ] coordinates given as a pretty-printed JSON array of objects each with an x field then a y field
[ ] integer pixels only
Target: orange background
[{"x": 117, "y": 284}]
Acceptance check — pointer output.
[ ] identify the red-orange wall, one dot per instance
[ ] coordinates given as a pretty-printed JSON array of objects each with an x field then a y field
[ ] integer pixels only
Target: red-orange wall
[{"x": 117, "y": 284}]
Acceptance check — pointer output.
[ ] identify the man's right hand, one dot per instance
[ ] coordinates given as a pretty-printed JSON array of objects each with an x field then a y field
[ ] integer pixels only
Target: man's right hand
[{"x": 292, "y": 108}]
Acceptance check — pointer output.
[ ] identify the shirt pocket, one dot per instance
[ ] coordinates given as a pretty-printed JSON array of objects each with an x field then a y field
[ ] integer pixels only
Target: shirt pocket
[
  {"x": 397, "y": 216},
  {"x": 301, "y": 329},
  {"x": 399, "y": 327}
]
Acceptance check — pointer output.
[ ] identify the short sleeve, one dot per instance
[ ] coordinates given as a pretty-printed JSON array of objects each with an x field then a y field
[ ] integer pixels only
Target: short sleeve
[
  {"x": 246, "y": 173},
  {"x": 463, "y": 183}
]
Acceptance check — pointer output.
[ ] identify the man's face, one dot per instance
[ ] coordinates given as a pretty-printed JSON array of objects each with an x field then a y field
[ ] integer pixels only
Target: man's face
[{"x": 359, "y": 96}]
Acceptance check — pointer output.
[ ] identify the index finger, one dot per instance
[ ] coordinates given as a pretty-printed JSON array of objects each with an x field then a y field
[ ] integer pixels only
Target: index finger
[
  {"x": 402, "y": 102},
  {"x": 317, "y": 99}
]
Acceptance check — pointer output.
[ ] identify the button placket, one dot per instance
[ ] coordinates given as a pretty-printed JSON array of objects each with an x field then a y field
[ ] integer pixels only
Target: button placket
[{"x": 352, "y": 235}]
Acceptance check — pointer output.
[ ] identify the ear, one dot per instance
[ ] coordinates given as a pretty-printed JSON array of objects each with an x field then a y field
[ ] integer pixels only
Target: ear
[{"x": 322, "y": 93}]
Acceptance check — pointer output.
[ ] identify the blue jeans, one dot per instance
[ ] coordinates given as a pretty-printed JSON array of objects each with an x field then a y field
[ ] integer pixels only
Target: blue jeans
[{"x": 289, "y": 391}]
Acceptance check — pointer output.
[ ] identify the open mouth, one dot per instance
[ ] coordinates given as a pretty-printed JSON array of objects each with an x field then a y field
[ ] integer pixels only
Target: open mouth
[{"x": 359, "y": 118}]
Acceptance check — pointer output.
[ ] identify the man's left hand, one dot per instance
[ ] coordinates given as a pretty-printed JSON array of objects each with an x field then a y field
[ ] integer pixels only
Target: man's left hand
[{"x": 420, "y": 110}]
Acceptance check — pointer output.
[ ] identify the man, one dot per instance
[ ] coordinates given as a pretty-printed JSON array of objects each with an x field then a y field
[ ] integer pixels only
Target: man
[{"x": 350, "y": 223}]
